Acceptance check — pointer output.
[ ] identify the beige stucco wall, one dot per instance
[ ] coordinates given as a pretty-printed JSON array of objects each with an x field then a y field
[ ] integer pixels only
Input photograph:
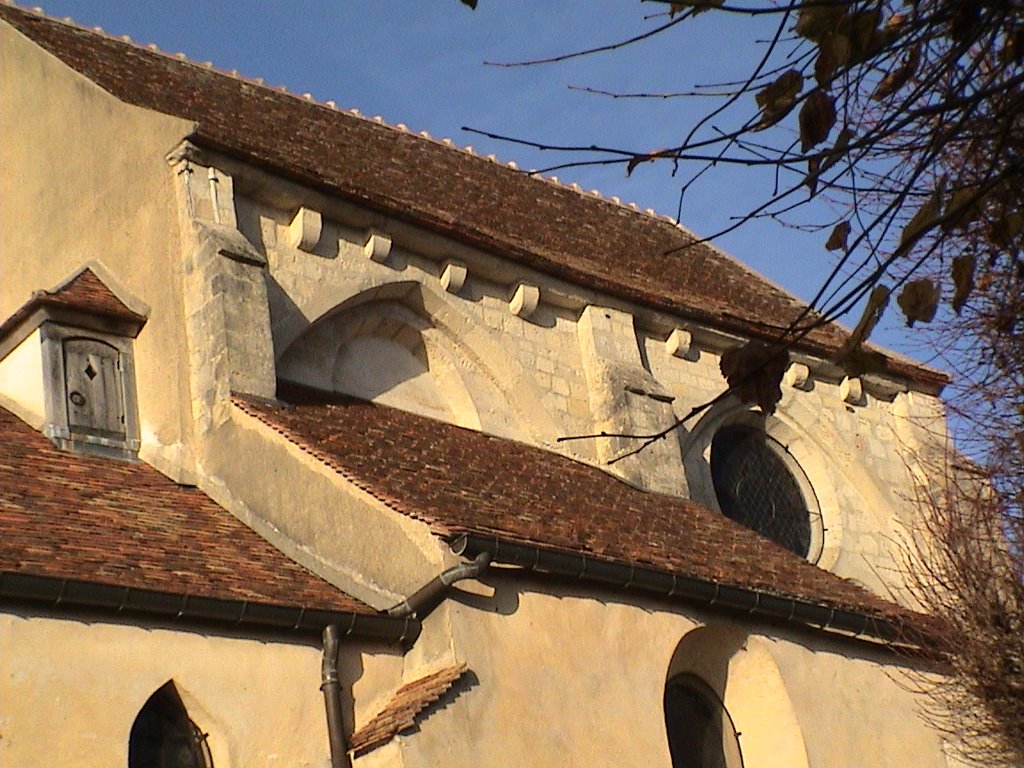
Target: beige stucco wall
[
  {"x": 564, "y": 676},
  {"x": 83, "y": 178},
  {"x": 21, "y": 381},
  {"x": 71, "y": 689}
]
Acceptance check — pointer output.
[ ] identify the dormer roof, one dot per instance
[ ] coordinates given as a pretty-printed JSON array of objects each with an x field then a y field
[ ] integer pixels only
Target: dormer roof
[
  {"x": 83, "y": 300},
  {"x": 546, "y": 226}
]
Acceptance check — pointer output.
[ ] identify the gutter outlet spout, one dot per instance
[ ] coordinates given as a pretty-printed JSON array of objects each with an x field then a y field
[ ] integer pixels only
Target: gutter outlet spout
[
  {"x": 332, "y": 697},
  {"x": 426, "y": 596}
]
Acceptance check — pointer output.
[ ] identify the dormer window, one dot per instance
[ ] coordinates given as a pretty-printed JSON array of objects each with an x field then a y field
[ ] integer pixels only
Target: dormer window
[
  {"x": 90, "y": 390},
  {"x": 82, "y": 334}
]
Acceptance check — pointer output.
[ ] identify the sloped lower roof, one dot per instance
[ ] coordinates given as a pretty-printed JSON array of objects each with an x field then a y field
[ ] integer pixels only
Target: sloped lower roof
[
  {"x": 540, "y": 224},
  {"x": 71, "y": 516},
  {"x": 405, "y": 707},
  {"x": 461, "y": 481}
]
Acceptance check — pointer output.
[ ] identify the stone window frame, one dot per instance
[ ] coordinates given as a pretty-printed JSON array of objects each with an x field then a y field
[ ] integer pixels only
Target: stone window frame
[
  {"x": 53, "y": 336},
  {"x": 805, "y": 462},
  {"x": 731, "y": 755},
  {"x": 790, "y": 466}
]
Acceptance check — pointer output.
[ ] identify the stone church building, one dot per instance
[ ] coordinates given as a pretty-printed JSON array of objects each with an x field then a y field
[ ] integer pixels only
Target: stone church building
[{"x": 281, "y": 479}]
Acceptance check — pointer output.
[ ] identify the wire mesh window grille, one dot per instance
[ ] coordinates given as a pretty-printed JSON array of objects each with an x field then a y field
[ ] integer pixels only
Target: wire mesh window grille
[
  {"x": 755, "y": 488},
  {"x": 163, "y": 736},
  {"x": 700, "y": 732}
]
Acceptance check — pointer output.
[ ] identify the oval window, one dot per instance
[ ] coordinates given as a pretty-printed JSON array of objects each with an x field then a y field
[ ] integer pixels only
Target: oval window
[{"x": 756, "y": 488}]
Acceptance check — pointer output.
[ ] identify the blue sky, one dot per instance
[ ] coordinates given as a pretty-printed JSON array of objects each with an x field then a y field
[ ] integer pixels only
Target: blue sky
[{"x": 421, "y": 63}]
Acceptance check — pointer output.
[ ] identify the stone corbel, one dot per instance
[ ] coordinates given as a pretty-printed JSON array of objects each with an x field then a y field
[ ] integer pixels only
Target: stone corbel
[
  {"x": 377, "y": 247},
  {"x": 798, "y": 376},
  {"x": 852, "y": 391},
  {"x": 453, "y": 276},
  {"x": 679, "y": 342},
  {"x": 524, "y": 301},
  {"x": 882, "y": 388},
  {"x": 304, "y": 231}
]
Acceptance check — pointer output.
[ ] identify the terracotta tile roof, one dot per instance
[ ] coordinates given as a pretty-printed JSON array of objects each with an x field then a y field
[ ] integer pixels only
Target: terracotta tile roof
[
  {"x": 461, "y": 481},
  {"x": 70, "y": 516},
  {"x": 540, "y": 224},
  {"x": 87, "y": 292},
  {"x": 405, "y": 706},
  {"x": 84, "y": 292}
]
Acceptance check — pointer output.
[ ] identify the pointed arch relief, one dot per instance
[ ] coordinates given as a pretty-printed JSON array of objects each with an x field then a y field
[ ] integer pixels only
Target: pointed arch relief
[
  {"x": 163, "y": 734},
  {"x": 404, "y": 346},
  {"x": 725, "y": 691}
]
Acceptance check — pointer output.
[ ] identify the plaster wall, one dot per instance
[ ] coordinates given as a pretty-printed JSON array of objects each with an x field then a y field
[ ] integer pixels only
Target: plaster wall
[
  {"x": 78, "y": 686},
  {"x": 315, "y": 516},
  {"x": 21, "y": 380},
  {"x": 82, "y": 178},
  {"x": 573, "y": 677}
]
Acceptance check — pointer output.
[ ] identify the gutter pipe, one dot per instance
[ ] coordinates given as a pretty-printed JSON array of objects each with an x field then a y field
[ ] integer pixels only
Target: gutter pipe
[
  {"x": 55, "y": 592},
  {"x": 332, "y": 697},
  {"x": 426, "y": 596},
  {"x": 422, "y": 600},
  {"x": 740, "y": 599}
]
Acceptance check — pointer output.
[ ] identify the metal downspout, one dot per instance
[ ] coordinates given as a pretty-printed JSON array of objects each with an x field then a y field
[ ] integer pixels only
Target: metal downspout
[
  {"x": 332, "y": 697},
  {"x": 429, "y": 593}
]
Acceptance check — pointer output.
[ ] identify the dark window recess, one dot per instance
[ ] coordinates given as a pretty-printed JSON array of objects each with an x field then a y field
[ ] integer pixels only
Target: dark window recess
[
  {"x": 700, "y": 731},
  {"x": 163, "y": 736},
  {"x": 95, "y": 394},
  {"x": 755, "y": 488}
]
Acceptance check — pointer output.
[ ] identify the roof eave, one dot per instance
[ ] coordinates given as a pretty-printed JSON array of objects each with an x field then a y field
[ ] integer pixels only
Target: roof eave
[
  {"x": 190, "y": 608},
  {"x": 847, "y": 623}
]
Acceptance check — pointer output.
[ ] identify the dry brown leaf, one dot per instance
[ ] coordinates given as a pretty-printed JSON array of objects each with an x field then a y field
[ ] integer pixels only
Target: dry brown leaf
[
  {"x": 919, "y": 299},
  {"x": 862, "y": 31},
  {"x": 922, "y": 220},
  {"x": 837, "y": 240},
  {"x": 645, "y": 158},
  {"x": 698, "y": 6},
  {"x": 838, "y": 149},
  {"x": 1004, "y": 229},
  {"x": 778, "y": 98},
  {"x": 963, "y": 280},
  {"x": 869, "y": 317},
  {"x": 899, "y": 77},
  {"x": 962, "y": 208},
  {"x": 811, "y": 179},
  {"x": 816, "y": 20},
  {"x": 833, "y": 53},
  {"x": 817, "y": 116},
  {"x": 754, "y": 372}
]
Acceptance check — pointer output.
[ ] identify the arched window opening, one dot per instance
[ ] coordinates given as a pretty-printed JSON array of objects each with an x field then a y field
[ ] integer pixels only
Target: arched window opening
[
  {"x": 163, "y": 736},
  {"x": 700, "y": 731},
  {"x": 756, "y": 488}
]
